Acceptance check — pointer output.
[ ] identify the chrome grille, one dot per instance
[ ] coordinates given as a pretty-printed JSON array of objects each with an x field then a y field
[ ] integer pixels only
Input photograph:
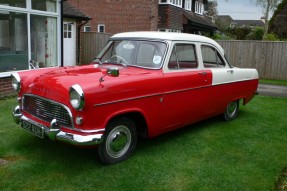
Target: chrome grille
[{"x": 47, "y": 110}]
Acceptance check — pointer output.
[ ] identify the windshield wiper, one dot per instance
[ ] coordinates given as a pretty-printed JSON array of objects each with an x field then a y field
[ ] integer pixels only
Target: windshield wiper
[{"x": 119, "y": 63}]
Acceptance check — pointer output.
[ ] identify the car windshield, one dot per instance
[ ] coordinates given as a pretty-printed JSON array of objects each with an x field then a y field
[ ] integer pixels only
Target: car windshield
[{"x": 146, "y": 54}]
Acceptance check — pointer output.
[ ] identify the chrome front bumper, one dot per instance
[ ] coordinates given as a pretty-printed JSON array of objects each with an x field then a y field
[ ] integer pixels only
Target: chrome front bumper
[{"x": 55, "y": 133}]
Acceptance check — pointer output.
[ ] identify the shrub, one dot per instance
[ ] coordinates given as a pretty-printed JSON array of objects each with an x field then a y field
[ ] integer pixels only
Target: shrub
[{"x": 271, "y": 37}]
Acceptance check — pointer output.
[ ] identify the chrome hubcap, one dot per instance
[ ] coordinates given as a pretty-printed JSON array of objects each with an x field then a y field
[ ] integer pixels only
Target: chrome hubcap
[
  {"x": 118, "y": 141},
  {"x": 231, "y": 109}
]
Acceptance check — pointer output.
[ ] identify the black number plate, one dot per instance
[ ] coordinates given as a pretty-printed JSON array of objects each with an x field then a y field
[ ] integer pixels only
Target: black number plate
[{"x": 32, "y": 128}]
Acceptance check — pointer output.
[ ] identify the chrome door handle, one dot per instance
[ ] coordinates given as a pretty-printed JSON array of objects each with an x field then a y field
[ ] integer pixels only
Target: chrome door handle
[
  {"x": 202, "y": 73},
  {"x": 231, "y": 71}
]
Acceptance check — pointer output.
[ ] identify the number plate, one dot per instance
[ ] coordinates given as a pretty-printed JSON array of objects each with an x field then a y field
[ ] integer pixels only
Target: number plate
[{"x": 32, "y": 128}]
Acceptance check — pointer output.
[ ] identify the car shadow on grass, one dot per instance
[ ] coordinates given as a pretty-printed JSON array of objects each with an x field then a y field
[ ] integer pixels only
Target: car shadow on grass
[{"x": 33, "y": 148}]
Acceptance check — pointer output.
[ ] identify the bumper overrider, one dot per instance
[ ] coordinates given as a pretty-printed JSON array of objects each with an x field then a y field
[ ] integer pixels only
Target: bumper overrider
[{"x": 55, "y": 133}]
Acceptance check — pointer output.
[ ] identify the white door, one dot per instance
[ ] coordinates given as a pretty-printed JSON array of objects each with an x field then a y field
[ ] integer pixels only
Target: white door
[{"x": 69, "y": 35}]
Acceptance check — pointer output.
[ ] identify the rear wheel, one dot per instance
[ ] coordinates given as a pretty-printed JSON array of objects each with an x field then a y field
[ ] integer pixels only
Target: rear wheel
[
  {"x": 231, "y": 111},
  {"x": 119, "y": 141}
]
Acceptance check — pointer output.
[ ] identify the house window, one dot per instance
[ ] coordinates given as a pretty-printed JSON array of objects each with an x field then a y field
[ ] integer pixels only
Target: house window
[
  {"x": 177, "y": 3},
  {"x": 199, "y": 7},
  {"x": 31, "y": 32},
  {"x": 169, "y": 30},
  {"x": 13, "y": 41},
  {"x": 44, "y": 5},
  {"x": 187, "y": 5},
  {"x": 87, "y": 29},
  {"x": 101, "y": 28},
  {"x": 67, "y": 30},
  {"x": 18, "y": 3},
  {"x": 44, "y": 40}
]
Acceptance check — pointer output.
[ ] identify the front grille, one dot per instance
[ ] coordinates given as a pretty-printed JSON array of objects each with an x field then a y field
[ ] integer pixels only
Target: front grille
[{"x": 47, "y": 110}]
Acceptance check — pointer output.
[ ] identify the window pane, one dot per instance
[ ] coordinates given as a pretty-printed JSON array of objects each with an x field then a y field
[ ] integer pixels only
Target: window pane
[
  {"x": 13, "y": 41},
  {"x": 44, "y": 5},
  {"x": 87, "y": 29},
  {"x": 44, "y": 40},
  {"x": 14, "y": 3},
  {"x": 136, "y": 53},
  {"x": 211, "y": 58},
  {"x": 183, "y": 57}
]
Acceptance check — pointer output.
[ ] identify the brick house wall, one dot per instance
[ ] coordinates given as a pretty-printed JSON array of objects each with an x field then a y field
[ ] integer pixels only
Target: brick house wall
[
  {"x": 170, "y": 17},
  {"x": 120, "y": 16},
  {"x": 6, "y": 87}
]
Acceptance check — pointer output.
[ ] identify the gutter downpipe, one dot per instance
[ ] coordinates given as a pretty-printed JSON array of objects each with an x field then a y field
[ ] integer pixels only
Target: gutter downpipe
[
  {"x": 62, "y": 35},
  {"x": 79, "y": 39}
]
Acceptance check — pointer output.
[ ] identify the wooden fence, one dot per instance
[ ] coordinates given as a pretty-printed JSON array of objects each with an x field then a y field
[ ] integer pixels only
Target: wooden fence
[
  {"x": 269, "y": 58},
  {"x": 91, "y": 45}
]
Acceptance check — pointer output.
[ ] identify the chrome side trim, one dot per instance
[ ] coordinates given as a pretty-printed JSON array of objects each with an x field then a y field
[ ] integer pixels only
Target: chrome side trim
[
  {"x": 152, "y": 95},
  {"x": 166, "y": 93},
  {"x": 128, "y": 99}
]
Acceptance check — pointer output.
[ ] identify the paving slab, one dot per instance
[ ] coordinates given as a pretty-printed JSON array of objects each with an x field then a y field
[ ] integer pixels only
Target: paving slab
[{"x": 272, "y": 90}]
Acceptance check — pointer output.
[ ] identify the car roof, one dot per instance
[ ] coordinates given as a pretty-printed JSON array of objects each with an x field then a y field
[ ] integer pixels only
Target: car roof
[{"x": 167, "y": 36}]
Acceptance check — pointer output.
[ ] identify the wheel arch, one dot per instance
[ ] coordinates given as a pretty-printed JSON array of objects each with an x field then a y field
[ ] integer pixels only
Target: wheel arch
[{"x": 137, "y": 117}]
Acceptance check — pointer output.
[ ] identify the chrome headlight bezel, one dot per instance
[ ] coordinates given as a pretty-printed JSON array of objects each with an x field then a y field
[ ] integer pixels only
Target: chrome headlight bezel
[
  {"x": 77, "y": 98},
  {"x": 16, "y": 82}
]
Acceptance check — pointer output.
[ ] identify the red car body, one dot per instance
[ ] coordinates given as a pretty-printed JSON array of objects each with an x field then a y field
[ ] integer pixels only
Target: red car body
[{"x": 152, "y": 100}]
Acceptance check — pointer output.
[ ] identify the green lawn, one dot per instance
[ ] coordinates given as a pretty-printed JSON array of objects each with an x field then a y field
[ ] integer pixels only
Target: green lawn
[
  {"x": 273, "y": 82},
  {"x": 248, "y": 153}
]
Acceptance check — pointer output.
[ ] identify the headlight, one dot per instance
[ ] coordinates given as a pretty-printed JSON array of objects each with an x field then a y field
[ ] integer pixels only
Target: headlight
[
  {"x": 77, "y": 98},
  {"x": 16, "y": 82}
]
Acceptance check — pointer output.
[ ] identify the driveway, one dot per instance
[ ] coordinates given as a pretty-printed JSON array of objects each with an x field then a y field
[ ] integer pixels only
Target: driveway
[{"x": 272, "y": 90}]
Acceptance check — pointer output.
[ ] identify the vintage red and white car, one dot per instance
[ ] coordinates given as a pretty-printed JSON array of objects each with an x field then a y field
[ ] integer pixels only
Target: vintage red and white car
[{"x": 141, "y": 84}]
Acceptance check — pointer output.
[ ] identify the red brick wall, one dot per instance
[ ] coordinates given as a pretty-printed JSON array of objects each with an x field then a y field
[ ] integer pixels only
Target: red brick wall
[
  {"x": 170, "y": 17},
  {"x": 120, "y": 15},
  {"x": 6, "y": 87}
]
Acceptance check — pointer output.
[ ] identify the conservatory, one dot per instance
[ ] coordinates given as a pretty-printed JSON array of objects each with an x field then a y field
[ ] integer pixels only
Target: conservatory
[{"x": 29, "y": 30}]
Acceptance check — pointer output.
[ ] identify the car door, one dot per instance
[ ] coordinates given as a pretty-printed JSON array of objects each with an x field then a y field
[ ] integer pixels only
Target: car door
[
  {"x": 185, "y": 86},
  {"x": 226, "y": 80}
]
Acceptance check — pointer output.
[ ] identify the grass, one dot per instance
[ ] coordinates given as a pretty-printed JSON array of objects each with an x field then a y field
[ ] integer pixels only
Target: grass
[
  {"x": 248, "y": 153},
  {"x": 273, "y": 82}
]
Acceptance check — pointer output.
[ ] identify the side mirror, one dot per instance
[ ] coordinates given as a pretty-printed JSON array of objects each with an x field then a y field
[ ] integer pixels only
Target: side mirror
[{"x": 114, "y": 72}]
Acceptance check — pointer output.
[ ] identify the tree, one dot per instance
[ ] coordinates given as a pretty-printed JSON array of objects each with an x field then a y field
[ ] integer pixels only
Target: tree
[
  {"x": 267, "y": 7},
  {"x": 277, "y": 23},
  {"x": 211, "y": 9}
]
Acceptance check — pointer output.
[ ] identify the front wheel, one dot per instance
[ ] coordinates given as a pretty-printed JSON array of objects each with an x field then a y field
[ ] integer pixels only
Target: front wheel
[
  {"x": 119, "y": 141},
  {"x": 231, "y": 111}
]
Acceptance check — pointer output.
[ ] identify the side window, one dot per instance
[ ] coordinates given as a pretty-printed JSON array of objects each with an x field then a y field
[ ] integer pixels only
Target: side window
[
  {"x": 211, "y": 58},
  {"x": 183, "y": 56}
]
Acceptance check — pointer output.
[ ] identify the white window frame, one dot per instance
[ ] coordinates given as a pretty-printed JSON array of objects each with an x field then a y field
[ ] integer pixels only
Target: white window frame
[
  {"x": 177, "y": 3},
  {"x": 29, "y": 11},
  {"x": 169, "y": 30},
  {"x": 199, "y": 8},
  {"x": 85, "y": 28},
  {"x": 99, "y": 27},
  {"x": 187, "y": 5}
]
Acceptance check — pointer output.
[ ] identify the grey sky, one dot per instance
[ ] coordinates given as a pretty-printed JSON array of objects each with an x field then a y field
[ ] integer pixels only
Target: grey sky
[{"x": 239, "y": 9}]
